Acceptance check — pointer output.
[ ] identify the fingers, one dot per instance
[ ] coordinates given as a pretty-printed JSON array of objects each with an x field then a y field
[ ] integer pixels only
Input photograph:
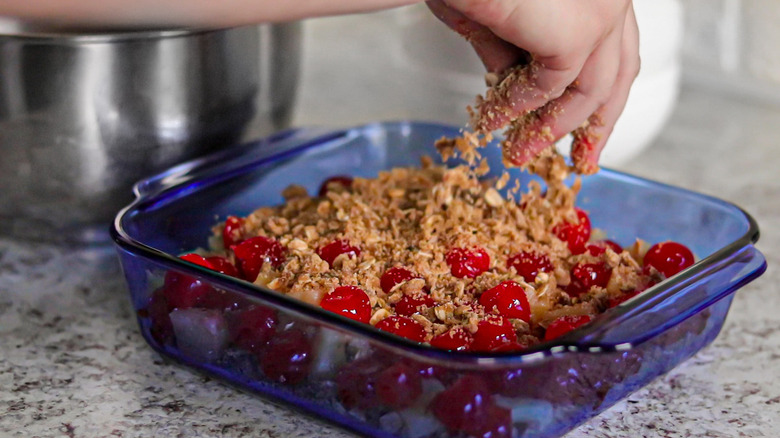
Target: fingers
[
  {"x": 590, "y": 139},
  {"x": 561, "y": 39},
  {"x": 496, "y": 54},
  {"x": 524, "y": 89},
  {"x": 585, "y": 60},
  {"x": 589, "y": 92},
  {"x": 526, "y": 138},
  {"x": 553, "y": 120}
]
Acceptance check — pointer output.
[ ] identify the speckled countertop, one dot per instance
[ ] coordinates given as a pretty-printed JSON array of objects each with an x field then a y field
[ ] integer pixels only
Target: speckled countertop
[{"x": 73, "y": 364}]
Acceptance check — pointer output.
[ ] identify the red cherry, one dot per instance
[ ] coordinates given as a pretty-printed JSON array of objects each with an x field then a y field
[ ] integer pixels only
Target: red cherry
[
  {"x": 343, "y": 180},
  {"x": 509, "y": 347},
  {"x": 586, "y": 275},
  {"x": 468, "y": 263},
  {"x": 492, "y": 332},
  {"x": 218, "y": 299},
  {"x": 428, "y": 371},
  {"x": 356, "y": 383},
  {"x": 334, "y": 249},
  {"x": 183, "y": 291},
  {"x": 575, "y": 235},
  {"x": 399, "y": 386},
  {"x": 253, "y": 252},
  {"x": 231, "y": 233},
  {"x": 615, "y": 301},
  {"x": 349, "y": 301},
  {"x": 600, "y": 247},
  {"x": 465, "y": 405},
  {"x": 252, "y": 328},
  {"x": 669, "y": 258},
  {"x": 403, "y": 326},
  {"x": 529, "y": 264},
  {"x": 287, "y": 358},
  {"x": 564, "y": 325},
  {"x": 455, "y": 339},
  {"x": 158, "y": 313},
  {"x": 197, "y": 259},
  {"x": 394, "y": 276},
  {"x": 410, "y": 304},
  {"x": 442, "y": 372},
  {"x": 222, "y": 265},
  {"x": 508, "y": 299},
  {"x": 497, "y": 424},
  {"x": 511, "y": 382}
]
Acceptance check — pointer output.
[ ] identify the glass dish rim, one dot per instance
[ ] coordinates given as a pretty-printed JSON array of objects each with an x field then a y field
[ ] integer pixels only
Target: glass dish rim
[{"x": 570, "y": 342}]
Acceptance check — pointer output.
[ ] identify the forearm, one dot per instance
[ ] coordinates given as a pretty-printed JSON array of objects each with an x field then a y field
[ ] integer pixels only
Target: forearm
[{"x": 198, "y": 13}]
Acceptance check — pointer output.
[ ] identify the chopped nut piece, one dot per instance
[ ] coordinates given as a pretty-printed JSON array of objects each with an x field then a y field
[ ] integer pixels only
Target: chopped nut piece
[
  {"x": 294, "y": 191},
  {"x": 297, "y": 245},
  {"x": 378, "y": 315},
  {"x": 396, "y": 193},
  {"x": 493, "y": 198},
  {"x": 445, "y": 313},
  {"x": 264, "y": 278}
]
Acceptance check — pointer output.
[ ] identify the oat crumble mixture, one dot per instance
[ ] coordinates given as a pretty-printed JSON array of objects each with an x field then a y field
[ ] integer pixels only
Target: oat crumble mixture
[{"x": 412, "y": 218}]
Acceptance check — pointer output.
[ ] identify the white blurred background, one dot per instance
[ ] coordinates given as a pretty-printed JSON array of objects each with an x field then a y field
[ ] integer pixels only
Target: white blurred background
[{"x": 733, "y": 46}]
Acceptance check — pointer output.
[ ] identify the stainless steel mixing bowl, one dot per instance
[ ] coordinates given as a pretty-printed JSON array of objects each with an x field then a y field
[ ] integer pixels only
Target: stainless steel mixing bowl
[{"x": 85, "y": 115}]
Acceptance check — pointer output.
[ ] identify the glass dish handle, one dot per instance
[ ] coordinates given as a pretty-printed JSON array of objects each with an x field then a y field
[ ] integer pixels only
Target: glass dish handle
[
  {"x": 644, "y": 317},
  {"x": 236, "y": 158}
]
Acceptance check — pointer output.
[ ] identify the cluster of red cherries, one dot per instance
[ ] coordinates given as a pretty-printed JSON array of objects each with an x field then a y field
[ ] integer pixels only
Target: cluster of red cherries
[
  {"x": 285, "y": 353},
  {"x": 507, "y": 300}
]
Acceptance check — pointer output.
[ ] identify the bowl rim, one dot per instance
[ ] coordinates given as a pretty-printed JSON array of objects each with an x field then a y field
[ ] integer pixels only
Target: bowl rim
[{"x": 64, "y": 37}]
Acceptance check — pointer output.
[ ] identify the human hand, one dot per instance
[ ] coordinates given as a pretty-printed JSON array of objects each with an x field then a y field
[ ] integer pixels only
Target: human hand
[{"x": 584, "y": 56}]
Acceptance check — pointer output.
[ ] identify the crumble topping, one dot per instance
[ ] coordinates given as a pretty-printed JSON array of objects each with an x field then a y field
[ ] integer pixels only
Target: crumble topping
[{"x": 412, "y": 218}]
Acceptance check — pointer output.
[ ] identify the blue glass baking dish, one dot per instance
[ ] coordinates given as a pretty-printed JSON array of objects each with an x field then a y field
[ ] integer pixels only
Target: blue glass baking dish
[{"x": 333, "y": 367}]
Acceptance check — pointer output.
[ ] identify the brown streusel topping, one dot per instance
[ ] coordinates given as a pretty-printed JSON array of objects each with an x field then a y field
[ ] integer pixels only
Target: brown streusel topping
[{"x": 412, "y": 218}]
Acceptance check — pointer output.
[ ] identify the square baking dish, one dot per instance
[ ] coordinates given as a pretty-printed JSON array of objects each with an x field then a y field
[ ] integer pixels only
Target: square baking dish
[{"x": 332, "y": 367}]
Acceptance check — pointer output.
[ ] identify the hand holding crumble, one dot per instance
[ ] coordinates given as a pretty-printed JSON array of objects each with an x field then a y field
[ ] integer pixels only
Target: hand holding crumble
[{"x": 555, "y": 67}]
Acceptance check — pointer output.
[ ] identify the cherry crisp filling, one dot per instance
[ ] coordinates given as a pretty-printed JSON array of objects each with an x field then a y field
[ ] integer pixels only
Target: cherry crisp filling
[{"x": 437, "y": 255}]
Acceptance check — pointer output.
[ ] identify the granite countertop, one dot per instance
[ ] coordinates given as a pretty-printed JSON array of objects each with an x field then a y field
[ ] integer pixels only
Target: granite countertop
[{"x": 73, "y": 364}]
